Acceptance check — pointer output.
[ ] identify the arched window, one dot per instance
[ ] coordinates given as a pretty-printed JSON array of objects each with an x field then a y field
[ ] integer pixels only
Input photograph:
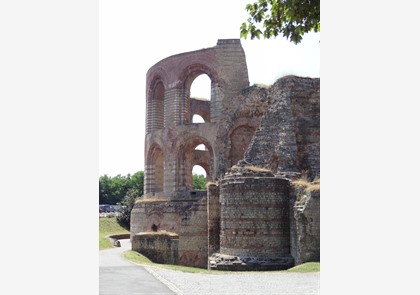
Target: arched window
[
  {"x": 201, "y": 87},
  {"x": 197, "y": 119},
  {"x": 200, "y": 147},
  {"x": 199, "y": 177}
]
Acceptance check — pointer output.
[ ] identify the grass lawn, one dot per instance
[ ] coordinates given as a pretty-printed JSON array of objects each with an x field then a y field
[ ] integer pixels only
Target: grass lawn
[{"x": 109, "y": 226}]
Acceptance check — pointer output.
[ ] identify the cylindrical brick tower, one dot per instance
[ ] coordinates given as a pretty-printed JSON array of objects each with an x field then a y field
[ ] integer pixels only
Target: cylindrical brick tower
[{"x": 254, "y": 222}]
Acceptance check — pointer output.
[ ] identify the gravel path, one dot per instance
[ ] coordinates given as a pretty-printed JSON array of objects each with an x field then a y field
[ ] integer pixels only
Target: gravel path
[{"x": 239, "y": 284}]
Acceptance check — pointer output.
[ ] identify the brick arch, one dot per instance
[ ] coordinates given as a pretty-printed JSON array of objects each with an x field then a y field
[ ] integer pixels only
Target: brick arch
[
  {"x": 203, "y": 163},
  {"x": 187, "y": 77},
  {"x": 157, "y": 83},
  {"x": 188, "y": 157},
  {"x": 192, "y": 71},
  {"x": 154, "y": 181},
  {"x": 155, "y": 106},
  {"x": 157, "y": 74}
]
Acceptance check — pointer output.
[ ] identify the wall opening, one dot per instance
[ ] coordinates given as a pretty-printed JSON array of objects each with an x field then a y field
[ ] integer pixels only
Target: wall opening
[
  {"x": 200, "y": 147},
  {"x": 195, "y": 157},
  {"x": 198, "y": 90},
  {"x": 197, "y": 119},
  {"x": 199, "y": 177},
  {"x": 201, "y": 87}
]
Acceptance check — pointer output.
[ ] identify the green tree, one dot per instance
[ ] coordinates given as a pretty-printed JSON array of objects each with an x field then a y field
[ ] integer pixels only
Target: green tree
[
  {"x": 292, "y": 18},
  {"x": 127, "y": 203},
  {"x": 112, "y": 190},
  {"x": 105, "y": 191},
  {"x": 119, "y": 187},
  {"x": 199, "y": 181},
  {"x": 137, "y": 182}
]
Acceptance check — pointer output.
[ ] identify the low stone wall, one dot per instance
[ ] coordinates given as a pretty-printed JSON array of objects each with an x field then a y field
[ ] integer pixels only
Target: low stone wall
[
  {"x": 159, "y": 247},
  {"x": 185, "y": 217}
]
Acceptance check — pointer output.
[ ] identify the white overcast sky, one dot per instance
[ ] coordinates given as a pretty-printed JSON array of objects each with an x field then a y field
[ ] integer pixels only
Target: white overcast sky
[{"x": 134, "y": 35}]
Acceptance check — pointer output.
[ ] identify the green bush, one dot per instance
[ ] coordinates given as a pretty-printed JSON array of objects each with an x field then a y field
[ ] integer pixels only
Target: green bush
[{"x": 127, "y": 205}]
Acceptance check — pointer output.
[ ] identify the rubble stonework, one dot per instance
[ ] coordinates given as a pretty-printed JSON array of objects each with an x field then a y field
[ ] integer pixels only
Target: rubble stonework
[{"x": 246, "y": 215}]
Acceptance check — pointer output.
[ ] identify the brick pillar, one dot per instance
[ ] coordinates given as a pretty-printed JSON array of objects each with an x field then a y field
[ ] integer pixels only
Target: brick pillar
[{"x": 213, "y": 213}]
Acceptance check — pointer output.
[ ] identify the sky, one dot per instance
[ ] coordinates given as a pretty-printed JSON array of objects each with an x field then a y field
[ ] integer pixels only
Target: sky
[{"x": 134, "y": 35}]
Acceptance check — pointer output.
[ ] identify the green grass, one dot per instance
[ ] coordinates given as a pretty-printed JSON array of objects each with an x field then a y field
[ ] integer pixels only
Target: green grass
[
  {"x": 306, "y": 267},
  {"x": 109, "y": 226}
]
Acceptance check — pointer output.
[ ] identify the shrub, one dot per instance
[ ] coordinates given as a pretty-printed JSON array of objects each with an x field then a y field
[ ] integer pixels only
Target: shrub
[{"x": 127, "y": 205}]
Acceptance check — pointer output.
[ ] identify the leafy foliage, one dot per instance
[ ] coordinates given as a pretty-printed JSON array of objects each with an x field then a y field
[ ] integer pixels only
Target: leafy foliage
[
  {"x": 292, "y": 18},
  {"x": 112, "y": 190},
  {"x": 199, "y": 181},
  {"x": 127, "y": 205}
]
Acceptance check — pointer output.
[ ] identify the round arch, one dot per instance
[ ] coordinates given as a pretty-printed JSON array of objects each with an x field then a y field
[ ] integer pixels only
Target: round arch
[
  {"x": 188, "y": 157},
  {"x": 187, "y": 77},
  {"x": 154, "y": 174}
]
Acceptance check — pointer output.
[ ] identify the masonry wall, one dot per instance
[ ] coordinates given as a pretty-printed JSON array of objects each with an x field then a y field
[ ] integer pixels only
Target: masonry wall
[
  {"x": 254, "y": 217},
  {"x": 158, "y": 247},
  {"x": 275, "y": 127},
  {"x": 169, "y": 111},
  {"x": 213, "y": 216},
  {"x": 185, "y": 217},
  {"x": 294, "y": 145},
  {"x": 305, "y": 229}
]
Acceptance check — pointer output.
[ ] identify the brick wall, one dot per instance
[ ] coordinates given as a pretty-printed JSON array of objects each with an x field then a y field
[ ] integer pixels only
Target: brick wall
[
  {"x": 254, "y": 217},
  {"x": 158, "y": 247},
  {"x": 186, "y": 216}
]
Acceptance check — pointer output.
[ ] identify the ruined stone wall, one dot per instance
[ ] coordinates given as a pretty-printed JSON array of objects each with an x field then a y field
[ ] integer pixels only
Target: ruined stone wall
[
  {"x": 287, "y": 141},
  {"x": 254, "y": 217},
  {"x": 169, "y": 111},
  {"x": 213, "y": 216},
  {"x": 305, "y": 101},
  {"x": 247, "y": 219},
  {"x": 254, "y": 221},
  {"x": 305, "y": 229},
  {"x": 241, "y": 117},
  {"x": 158, "y": 247},
  {"x": 186, "y": 216}
]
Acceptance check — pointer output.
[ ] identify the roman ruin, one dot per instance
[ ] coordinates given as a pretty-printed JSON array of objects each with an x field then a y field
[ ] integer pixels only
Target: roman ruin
[{"x": 258, "y": 140}]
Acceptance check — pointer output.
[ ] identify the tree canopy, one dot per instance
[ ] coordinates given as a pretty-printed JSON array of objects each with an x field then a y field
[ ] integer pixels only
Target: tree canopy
[
  {"x": 292, "y": 18},
  {"x": 199, "y": 181},
  {"x": 112, "y": 190}
]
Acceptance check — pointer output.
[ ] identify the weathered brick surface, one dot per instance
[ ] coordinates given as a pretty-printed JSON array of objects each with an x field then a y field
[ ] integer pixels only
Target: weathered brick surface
[
  {"x": 288, "y": 138},
  {"x": 245, "y": 213},
  {"x": 305, "y": 230},
  {"x": 186, "y": 217},
  {"x": 170, "y": 109},
  {"x": 158, "y": 247},
  {"x": 213, "y": 217},
  {"x": 254, "y": 217}
]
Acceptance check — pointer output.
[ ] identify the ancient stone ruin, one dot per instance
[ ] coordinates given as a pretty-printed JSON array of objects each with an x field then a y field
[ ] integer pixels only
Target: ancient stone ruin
[{"x": 257, "y": 140}]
